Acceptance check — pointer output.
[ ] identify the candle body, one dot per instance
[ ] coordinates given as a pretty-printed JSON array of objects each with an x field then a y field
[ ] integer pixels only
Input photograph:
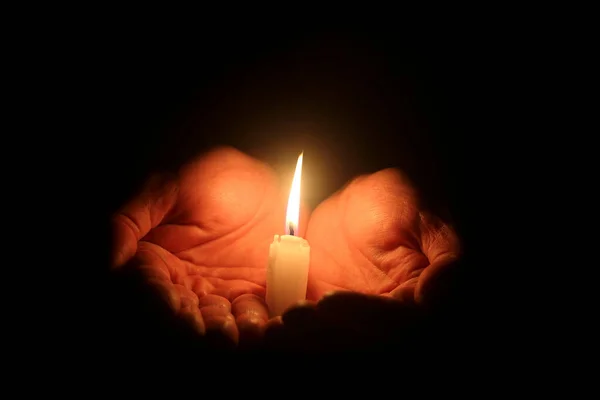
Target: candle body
[{"x": 287, "y": 273}]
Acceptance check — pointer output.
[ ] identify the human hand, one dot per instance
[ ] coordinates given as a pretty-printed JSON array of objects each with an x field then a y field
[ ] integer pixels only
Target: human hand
[
  {"x": 375, "y": 237},
  {"x": 201, "y": 240},
  {"x": 383, "y": 254},
  {"x": 198, "y": 232}
]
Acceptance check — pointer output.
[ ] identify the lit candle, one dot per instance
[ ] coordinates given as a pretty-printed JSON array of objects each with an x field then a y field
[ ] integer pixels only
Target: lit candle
[{"x": 289, "y": 255}]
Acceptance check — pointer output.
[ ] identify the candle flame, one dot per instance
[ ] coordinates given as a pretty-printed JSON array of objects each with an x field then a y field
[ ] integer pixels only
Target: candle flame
[{"x": 293, "y": 207}]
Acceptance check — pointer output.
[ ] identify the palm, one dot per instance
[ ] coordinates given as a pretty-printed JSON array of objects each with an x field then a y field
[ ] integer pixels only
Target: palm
[
  {"x": 372, "y": 237},
  {"x": 204, "y": 236},
  {"x": 221, "y": 227}
]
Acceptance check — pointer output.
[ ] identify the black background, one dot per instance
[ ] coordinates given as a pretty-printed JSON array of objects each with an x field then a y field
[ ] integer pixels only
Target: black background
[{"x": 355, "y": 101}]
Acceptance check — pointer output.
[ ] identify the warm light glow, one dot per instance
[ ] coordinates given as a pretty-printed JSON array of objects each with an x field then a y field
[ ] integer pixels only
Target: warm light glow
[{"x": 293, "y": 207}]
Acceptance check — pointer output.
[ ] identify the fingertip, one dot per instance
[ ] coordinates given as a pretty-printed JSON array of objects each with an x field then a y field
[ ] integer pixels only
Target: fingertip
[
  {"x": 120, "y": 257},
  {"x": 201, "y": 286},
  {"x": 337, "y": 295},
  {"x": 406, "y": 292},
  {"x": 166, "y": 292},
  {"x": 187, "y": 301},
  {"x": 117, "y": 259},
  {"x": 353, "y": 309},
  {"x": 251, "y": 329},
  {"x": 274, "y": 323},
  {"x": 221, "y": 331},
  {"x": 239, "y": 291},
  {"x": 230, "y": 330},
  {"x": 250, "y": 304},
  {"x": 214, "y": 300},
  {"x": 191, "y": 314},
  {"x": 250, "y": 321},
  {"x": 438, "y": 281},
  {"x": 186, "y": 295},
  {"x": 274, "y": 334},
  {"x": 250, "y": 312},
  {"x": 124, "y": 240},
  {"x": 305, "y": 303},
  {"x": 150, "y": 272},
  {"x": 300, "y": 316},
  {"x": 245, "y": 297},
  {"x": 214, "y": 311}
]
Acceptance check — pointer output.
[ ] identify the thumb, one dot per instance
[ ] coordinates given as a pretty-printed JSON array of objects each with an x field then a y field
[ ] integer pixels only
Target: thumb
[{"x": 139, "y": 215}]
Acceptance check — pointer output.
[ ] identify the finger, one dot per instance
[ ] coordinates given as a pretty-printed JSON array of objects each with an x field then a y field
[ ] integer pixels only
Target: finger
[
  {"x": 438, "y": 284},
  {"x": 214, "y": 311},
  {"x": 303, "y": 326},
  {"x": 217, "y": 323},
  {"x": 406, "y": 291},
  {"x": 166, "y": 292},
  {"x": 251, "y": 305},
  {"x": 299, "y": 314},
  {"x": 153, "y": 272},
  {"x": 356, "y": 309},
  {"x": 188, "y": 298},
  {"x": 353, "y": 320},
  {"x": 251, "y": 315},
  {"x": 192, "y": 316},
  {"x": 238, "y": 288},
  {"x": 438, "y": 239},
  {"x": 222, "y": 292},
  {"x": 298, "y": 330},
  {"x": 274, "y": 323},
  {"x": 200, "y": 286},
  {"x": 142, "y": 213},
  {"x": 274, "y": 335},
  {"x": 220, "y": 325},
  {"x": 179, "y": 301},
  {"x": 214, "y": 300},
  {"x": 221, "y": 331},
  {"x": 155, "y": 266},
  {"x": 441, "y": 246}
]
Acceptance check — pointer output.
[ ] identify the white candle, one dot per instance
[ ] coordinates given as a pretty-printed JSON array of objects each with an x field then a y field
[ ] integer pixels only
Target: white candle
[{"x": 289, "y": 256}]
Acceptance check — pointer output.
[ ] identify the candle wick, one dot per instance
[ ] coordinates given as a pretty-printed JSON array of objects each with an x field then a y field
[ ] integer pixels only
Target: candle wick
[{"x": 291, "y": 228}]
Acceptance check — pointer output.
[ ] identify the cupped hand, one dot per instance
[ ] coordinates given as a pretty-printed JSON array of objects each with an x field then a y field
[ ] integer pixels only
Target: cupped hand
[
  {"x": 201, "y": 239},
  {"x": 378, "y": 258},
  {"x": 375, "y": 237}
]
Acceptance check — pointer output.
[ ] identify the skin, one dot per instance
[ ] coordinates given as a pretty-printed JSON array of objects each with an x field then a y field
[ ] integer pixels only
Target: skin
[{"x": 201, "y": 239}]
